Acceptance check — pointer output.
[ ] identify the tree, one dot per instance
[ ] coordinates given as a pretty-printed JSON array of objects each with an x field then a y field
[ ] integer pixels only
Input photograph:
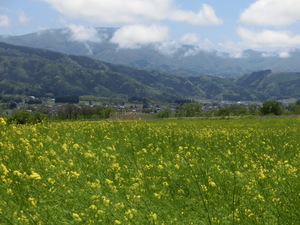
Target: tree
[
  {"x": 254, "y": 109},
  {"x": 189, "y": 110},
  {"x": 68, "y": 112},
  {"x": 67, "y": 99},
  {"x": 166, "y": 113},
  {"x": 296, "y": 108},
  {"x": 271, "y": 107},
  {"x": 26, "y": 117}
]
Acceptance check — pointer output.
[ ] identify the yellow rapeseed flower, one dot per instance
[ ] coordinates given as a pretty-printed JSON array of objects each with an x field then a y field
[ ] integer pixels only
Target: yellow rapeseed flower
[
  {"x": 2, "y": 121},
  {"x": 153, "y": 216},
  {"x": 4, "y": 169},
  {"x": 32, "y": 201},
  {"x": 76, "y": 217},
  {"x": 93, "y": 207},
  {"x": 35, "y": 176},
  {"x": 76, "y": 146}
]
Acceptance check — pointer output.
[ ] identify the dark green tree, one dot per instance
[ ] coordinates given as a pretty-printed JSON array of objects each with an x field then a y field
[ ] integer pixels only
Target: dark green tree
[
  {"x": 271, "y": 107},
  {"x": 189, "y": 110},
  {"x": 166, "y": 113}
]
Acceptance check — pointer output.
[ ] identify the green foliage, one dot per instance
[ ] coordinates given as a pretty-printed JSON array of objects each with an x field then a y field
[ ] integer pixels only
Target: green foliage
[
  {"x": 254, "y": 109},
  {"x": 189, "y": 110},
  {"x": 104, "y": 112},
  {"x": 165, "y": 113},
  {"x": 268, "y": 84},
  {"x": 233, "y": 110},
  {"x": 26, "y": 117},
  {"x": 295, "y": 109},
  {"x": 147, "y": 110},
  {"x": 74, "y": 112},
  {"x": 67, "y": 99},
  {"x": 224, "y": 112},
  {"x": 271, "y": 107}
]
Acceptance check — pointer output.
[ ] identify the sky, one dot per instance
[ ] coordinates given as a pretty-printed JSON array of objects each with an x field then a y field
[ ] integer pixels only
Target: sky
[{"x": 222, "y": 25}]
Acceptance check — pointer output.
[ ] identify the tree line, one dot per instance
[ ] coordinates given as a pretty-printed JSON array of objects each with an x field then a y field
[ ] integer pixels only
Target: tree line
[{"x": 186, "y": 109}]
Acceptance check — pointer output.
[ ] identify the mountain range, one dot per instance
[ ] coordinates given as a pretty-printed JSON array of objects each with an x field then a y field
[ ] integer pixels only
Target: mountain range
[
  {"x": 40, "y": 72},
  {"x": 176, "y": 59}
]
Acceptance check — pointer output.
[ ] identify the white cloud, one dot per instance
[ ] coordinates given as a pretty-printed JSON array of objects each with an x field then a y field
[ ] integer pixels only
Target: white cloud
[
  {"x": 206, "y": 16},
  {"x": 284, "y": 54},
  {"x": 23, "y": 19},
  {"x": 82, "y": 33},
  {"x": 272, "y": 13},
  {"x": 134, "y": 36},
  {"x": 168, "y": 47},
  {"x": 133, "y": 11},
  {"x": 4, "y": 21},
  {"x": 268, "y": 38},
  {"x": 281, "y": 54},
  {"x": 190, "y": 39}
]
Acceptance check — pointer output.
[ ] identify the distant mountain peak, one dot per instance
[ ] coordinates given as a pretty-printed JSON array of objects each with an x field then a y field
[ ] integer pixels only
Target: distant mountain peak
[{"x": 172, "y": 58}]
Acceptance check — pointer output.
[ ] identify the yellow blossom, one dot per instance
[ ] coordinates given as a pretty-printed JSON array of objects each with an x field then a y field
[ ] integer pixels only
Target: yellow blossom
[
  {"x": 4, "y": 169},
  {"x": 93, "y": 207},
  {"x": 153, "y": 216},
  {"x": 2, "y": 121},
  {"x": 32, "y": 201},
  {"x": 35, "y": 176},
  {"x": 76, "y": 217},
  {"x": 157, "y": 195},
  {"x": 76, "y": 146}
]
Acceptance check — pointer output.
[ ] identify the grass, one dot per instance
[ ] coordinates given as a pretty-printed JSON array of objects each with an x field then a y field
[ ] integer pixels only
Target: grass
[{"x": 151, "y": 172}]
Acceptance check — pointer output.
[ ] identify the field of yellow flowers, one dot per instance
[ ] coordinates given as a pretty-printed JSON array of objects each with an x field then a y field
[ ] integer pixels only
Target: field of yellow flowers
[{"x": 242, "y": 171}]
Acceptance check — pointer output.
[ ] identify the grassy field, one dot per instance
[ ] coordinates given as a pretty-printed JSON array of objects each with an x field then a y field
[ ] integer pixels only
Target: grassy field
[{"x": 243, "y": 171}]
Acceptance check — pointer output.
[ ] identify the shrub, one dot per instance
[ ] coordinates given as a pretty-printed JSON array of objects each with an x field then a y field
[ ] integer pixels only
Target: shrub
[
  {"x": 166, "y": 113},
  {"x": 26, "y": 117}
]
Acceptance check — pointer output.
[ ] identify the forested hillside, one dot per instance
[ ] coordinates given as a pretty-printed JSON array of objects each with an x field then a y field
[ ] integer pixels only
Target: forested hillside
[{"x": 38, "y": 72}]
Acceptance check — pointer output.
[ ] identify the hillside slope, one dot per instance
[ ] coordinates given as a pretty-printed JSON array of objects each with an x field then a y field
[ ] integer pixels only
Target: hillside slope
[
  {"x": 273, "y": 84},
  {"x": 31, "y": 71}
]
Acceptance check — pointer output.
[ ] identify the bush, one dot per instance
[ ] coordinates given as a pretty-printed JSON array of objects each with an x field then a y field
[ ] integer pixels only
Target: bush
[
  {"x": 296, "y": 109},
  {"x": 26, "y": 117},
  {"x": 189, "y": 110},
  {"x": 166, "y": 113}
]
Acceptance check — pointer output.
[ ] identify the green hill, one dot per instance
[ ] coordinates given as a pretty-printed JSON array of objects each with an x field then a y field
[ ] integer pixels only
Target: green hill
[
  {"x": 275, "y": 85},
  {"x": 31, "y": 71}
]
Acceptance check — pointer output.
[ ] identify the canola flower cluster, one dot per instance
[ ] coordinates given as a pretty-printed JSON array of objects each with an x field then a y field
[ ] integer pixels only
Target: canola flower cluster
[{"x": 242, "y": 171}]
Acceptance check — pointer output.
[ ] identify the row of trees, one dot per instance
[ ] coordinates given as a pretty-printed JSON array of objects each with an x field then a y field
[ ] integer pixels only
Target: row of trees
[
  {"x": 66, "y": 112},
  {"x": 73, "y": 112},
  {"x": 269, "y": 107},
  {"x": 188, "y": 109}
]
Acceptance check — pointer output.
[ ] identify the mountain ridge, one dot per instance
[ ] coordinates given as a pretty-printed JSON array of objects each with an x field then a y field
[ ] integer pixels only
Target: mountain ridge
[
  {"x": 185, "y": 60},
  {"x": 31, "y": 71}
]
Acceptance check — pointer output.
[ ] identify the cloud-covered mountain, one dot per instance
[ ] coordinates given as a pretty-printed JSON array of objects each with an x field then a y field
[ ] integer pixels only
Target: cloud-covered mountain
[{"x": 177, "y": 58}]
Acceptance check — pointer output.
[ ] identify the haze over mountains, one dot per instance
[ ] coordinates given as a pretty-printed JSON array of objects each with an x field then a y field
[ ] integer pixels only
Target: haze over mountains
[{"x": 173, "y": 58}]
